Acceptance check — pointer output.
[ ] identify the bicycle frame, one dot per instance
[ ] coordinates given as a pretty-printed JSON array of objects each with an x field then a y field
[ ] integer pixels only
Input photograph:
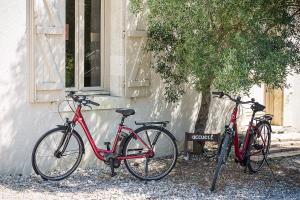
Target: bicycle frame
[
  {"x": 99, "y": 153},
  {"x": 240, "y": 153}
]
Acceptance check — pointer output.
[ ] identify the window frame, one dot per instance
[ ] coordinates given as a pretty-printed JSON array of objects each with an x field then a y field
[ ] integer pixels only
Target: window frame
[{"x": 79, "y": 51}]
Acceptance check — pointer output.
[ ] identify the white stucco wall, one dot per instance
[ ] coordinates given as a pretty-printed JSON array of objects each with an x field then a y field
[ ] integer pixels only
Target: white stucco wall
[
  {"x": 257, "y": 93},
  {"x": 22, "y": 123},
  {"x": 292, "y": 103}
]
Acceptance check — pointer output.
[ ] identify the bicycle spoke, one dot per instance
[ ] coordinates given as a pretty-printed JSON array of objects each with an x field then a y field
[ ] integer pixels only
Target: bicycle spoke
[
  {"x": 146, "y": 167},
  {"x": 151, "y": 167},
  {"x": 163, "y": 157},
  {"x": 149, "y": 142},
  {"x": 49, "y": 146},
  {"x": 71, "y": 152},
  {"x": 53, "y": 167},
  {"x": 260, "y": 148},
  {"x": 44, "y": 150},
  {"x": 156, "y": 138},
  {"x": 263, "y": 137},
  {"x": 255, "y": 153},
  {"x": 46, "y": 155}
]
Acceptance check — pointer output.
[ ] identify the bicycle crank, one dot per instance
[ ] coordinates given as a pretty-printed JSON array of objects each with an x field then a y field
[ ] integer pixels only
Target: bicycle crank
[
  {"x": 114, "y": 163},
  {"x": 111, "y": 156},
  {"x": 258, "y": 146}
]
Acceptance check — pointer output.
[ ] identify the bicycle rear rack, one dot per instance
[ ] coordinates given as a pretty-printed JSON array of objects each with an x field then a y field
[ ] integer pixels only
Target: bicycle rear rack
[
  {"x": 162, "y": 123},
  {"x": 266, "y": 117}
]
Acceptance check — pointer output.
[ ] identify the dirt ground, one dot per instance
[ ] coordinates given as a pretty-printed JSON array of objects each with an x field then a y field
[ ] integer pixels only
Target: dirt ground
[
  {"x": 200, "y": 170},
  {"x": 189, "y": 180}
]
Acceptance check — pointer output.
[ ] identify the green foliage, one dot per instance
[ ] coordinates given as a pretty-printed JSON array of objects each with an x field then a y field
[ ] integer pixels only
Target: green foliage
[{"x": 229, "y": 45}]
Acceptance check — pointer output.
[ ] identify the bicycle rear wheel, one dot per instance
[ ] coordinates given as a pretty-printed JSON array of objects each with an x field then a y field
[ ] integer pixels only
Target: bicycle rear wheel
[
  {"x": 165, "y": 153},
  {"x": 49, "y": 162},
  {"x": 221, "y": 159},
  {"x": 259, "y": 146}
]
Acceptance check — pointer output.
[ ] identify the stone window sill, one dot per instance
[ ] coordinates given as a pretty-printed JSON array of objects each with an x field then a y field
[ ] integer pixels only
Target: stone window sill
[{"x": 106, "y": 102}]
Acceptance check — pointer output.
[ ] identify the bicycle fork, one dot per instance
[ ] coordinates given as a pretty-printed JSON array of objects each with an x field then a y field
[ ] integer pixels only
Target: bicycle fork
[{"x": 65, "y": 139}]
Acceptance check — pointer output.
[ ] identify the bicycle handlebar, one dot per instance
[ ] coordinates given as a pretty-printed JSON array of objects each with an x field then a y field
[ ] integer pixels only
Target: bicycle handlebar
[
  {"x": 93, "y": 103},
  {"x": 81, "y": 99},
  {"x": 237, "y": 100}
]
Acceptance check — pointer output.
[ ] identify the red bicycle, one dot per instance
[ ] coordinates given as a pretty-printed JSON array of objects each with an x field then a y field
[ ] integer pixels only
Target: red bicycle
[
  {"x": 149, "y": 153},
  {"x": 252, "y": 153}
]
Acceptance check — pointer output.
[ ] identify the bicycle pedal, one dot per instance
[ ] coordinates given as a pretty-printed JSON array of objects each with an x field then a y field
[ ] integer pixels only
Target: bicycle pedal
[
  {"x": 117, "y": 163},
  {"x": 112, "y": 163}
]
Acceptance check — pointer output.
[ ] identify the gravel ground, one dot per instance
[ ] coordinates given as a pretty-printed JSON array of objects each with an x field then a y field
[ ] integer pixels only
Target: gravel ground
[{"x": 189, "y": 180}]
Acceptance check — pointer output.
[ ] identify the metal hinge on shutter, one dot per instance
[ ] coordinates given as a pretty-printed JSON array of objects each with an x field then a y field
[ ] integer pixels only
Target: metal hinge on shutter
[{"x": 123, "y": 34}]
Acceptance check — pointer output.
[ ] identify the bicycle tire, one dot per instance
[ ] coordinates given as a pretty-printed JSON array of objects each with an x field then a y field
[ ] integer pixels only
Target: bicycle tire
[
  {"x": 255, "y": 162},
  {"x": 165, "y": 138},
  {"x": 229, "y": 148},
  {"x": 36, "y": 162},
  {"x": 221, "y": 160}
]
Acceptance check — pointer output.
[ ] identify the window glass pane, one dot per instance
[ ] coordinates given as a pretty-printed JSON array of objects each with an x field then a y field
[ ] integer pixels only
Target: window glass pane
[
  {"x": 92, "y": 24},
  {"x": 70, "y": 43}
]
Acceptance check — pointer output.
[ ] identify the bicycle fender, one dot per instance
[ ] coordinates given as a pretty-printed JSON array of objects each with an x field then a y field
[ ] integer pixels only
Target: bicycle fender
[
  {"x": 62, "y": 126},
  {"x": 265, "y": 122}
]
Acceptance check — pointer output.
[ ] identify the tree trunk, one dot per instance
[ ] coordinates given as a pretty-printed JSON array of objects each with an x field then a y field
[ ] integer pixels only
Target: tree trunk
[{"x": 202, "y": 118}]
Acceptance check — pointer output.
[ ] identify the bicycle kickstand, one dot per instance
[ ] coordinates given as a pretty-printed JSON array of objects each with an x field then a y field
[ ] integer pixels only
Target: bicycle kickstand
[
  {"x": 268, "y": 164},
  {"x": 146, "y": 169},
  {"x": 112, "y": 167},
  {"x": 246, "y": 165}
]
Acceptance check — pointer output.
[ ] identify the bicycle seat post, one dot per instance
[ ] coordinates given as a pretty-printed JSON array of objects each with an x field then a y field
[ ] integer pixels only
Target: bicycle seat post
[{"x": 122, "y": 120}]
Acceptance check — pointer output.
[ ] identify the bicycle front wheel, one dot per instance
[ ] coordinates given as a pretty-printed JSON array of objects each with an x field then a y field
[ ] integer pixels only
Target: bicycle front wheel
[
  {"x": 221, "y": 159},
  {"x": 165, "y": 153},
  {"x": 51, "y": 162},
  {"x": 259, "y": 146}
]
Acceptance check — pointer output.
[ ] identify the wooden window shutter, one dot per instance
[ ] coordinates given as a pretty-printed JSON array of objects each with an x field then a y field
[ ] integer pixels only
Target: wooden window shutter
[
  {"x": 48, "y": 45},
  {"x": 137, "y": 60}
]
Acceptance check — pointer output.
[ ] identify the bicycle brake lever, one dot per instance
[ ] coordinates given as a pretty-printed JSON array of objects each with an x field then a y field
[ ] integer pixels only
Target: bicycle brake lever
[{"x": 89, "y": 107}]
